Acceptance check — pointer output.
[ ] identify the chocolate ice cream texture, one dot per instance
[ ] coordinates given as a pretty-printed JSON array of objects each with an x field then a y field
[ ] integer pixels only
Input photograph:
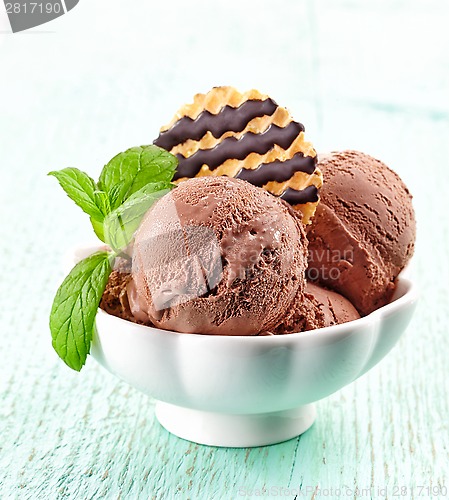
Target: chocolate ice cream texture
[
  {"x": 364, "y": 229},
  {"x": 115, "y": 296},
  {"x": 217, "y": 256},
  {"x": 317, "y": 308}
]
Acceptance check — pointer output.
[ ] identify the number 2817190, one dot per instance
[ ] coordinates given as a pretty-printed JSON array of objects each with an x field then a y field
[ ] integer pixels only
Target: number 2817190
[{"x": 33, "y": 8}]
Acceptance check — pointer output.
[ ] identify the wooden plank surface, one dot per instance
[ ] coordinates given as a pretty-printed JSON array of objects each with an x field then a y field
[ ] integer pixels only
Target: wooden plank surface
[{"x": 368, "y": 75}]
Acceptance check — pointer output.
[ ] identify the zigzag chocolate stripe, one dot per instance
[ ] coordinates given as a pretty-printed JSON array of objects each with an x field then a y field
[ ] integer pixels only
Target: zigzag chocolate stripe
[
  {"x": 238, "y": 149},
  {"x": 306, "y": 195},
  {"x": 228, "y": 119},
  {"x": 279, "y": 171}
]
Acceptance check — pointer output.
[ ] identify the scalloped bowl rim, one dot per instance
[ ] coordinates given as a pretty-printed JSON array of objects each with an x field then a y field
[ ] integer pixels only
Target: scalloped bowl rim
[{"x": 409, "y": 296}]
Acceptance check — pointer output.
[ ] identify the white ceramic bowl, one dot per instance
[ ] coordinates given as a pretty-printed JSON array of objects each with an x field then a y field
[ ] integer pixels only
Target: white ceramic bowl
[{"x": 247, "y": 391}]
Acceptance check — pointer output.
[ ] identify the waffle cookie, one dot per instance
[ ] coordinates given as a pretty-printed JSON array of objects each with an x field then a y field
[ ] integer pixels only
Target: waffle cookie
[{"x": 247, "y": 136}]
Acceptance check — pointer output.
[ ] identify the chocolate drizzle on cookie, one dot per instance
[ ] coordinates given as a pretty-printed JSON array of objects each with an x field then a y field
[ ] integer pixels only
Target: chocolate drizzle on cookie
[
  {"x": 302, "y": 196},
  {"x": 227, "y": 119},
  {"x": 238, "y": 149},
  {"x": 279, "y": 171}
]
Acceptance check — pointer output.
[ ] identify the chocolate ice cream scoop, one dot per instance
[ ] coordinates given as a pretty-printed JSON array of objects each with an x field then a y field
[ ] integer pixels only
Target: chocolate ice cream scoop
[
  {"x": 217, "y": 256},
  {"x": 363, "y": 232},
  {"x": 317, "y": 308}
]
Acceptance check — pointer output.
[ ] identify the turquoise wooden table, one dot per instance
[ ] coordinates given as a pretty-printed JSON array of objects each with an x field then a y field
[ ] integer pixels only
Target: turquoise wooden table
[{"x": 370, "y": 75}]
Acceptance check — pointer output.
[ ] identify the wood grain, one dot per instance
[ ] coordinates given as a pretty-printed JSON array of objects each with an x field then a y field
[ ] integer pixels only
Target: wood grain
[{"x": 372, "y": 76}]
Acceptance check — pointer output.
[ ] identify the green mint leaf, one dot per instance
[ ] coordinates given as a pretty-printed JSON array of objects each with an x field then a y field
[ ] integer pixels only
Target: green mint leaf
[
  {"x": 81, "y": 189},
  {"x": 75, "y": 306},
  {"x": 121, "y": 224},
  {"x": 114, "y": 194},
  {"x": 130, "y": 171},
  {"x": 117, "y": 176},
  {"x": 156, "y": 165},
  {"x": 98, "y": 229},
  {"x": 102, "y": 201}
]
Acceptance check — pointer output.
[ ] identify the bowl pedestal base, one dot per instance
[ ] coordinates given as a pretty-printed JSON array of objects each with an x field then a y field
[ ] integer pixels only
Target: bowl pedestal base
[{"x": 231, "y": 430}]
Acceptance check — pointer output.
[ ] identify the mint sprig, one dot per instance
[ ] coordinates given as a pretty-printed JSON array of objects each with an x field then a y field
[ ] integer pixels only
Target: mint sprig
[{"x": 129, "y": 184}]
